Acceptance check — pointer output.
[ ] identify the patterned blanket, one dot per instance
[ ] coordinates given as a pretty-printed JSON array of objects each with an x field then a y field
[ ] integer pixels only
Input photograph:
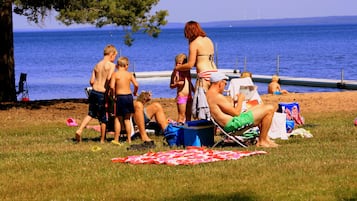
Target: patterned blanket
[{"x": 188, "y": 156}]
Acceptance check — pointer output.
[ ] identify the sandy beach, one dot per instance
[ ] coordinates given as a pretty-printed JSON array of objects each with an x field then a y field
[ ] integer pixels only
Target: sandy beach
[{"x": 24, "y": 114}]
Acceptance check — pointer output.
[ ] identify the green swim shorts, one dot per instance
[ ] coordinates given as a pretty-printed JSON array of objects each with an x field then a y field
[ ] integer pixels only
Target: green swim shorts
[{"x": 238, "y": 122}]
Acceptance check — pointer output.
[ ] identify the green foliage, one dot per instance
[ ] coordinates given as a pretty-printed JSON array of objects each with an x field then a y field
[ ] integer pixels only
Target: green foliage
[
  {"x": 41, "y": 162},
  {"x": 132, "y": 15}
]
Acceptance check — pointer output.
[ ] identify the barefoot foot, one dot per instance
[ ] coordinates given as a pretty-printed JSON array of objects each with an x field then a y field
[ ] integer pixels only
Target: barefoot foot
[
  {"x": 78, "y": 138},
  {"x": 266, "y": 144}
]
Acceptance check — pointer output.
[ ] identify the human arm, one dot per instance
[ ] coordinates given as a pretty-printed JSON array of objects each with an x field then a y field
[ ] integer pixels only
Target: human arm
[
  {"x": 112, "y": 85},
  {"x": 227, "y": 107},
  {"x": 192, "y": 55},
  {"x": 92, "y": 78},
  {"x": 136, "y": 85},
  {"x": 173, "y": 80}
]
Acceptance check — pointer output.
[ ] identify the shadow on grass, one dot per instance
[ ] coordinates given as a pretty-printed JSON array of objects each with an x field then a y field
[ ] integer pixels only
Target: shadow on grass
[
  {"x": 32, "y": 105},
  {"x": 242, "y": 196}
]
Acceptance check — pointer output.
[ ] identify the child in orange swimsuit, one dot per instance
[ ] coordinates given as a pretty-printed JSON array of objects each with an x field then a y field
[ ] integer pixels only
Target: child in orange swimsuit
[{"x": 182, "y": 81}]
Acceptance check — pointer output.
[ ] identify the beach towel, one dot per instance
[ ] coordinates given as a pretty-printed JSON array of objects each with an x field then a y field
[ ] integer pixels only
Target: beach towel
[
  {"x": 189, "y": 156},
  {"x": 200, "y": 109},
  {"x": 278, "y": 127}
]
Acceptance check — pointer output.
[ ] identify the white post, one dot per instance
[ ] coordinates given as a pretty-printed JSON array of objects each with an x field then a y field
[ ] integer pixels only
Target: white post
[
  {"x": 216, "y": 48},
  {"x": 342, "y": 75},
  {"x": 245, "y": 64},
  {"x": 277, "y": 65}
]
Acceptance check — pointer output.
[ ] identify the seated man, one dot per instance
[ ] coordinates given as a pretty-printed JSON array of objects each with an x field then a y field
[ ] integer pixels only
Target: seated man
[
  {"x": 143, "y": 115},
  {"x": 231, "y": 117}
]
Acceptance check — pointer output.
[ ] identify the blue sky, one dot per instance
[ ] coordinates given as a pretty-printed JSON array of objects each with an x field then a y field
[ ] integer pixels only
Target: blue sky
[{"x": 213, "y": 10}]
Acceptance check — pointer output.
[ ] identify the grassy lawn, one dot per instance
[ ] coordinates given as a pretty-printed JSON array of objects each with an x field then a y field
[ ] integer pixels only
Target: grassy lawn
[{"x": 41, "y": 162}]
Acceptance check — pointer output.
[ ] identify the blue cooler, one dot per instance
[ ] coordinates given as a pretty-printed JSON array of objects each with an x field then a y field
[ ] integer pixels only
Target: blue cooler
[
  {"x": 198, "y": 133},
  {"x": 174, "y": 135}
]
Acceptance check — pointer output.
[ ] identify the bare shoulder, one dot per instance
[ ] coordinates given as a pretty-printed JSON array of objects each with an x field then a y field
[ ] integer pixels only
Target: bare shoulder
[{"x": 109, "y": 65}]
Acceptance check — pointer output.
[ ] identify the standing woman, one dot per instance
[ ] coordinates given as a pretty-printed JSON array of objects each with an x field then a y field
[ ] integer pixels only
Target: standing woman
[{"x": 201, "y": 54}]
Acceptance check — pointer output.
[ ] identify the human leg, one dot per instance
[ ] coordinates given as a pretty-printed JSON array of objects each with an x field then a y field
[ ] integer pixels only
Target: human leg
[
  {"x": 181, "y": 112},
  {"x": 127, "y": 123},
  {"x": 117, "y": 128},
  {"x": 155, "y": 110},
  {"x": 181, "y": 108},
  {"x": 140, "y": 120},
  {"x": 263, "y": 116},
  {"x": 103, "y": 132},
  {"x": 189, "y": 109},
  {"x": 79, "y": 131},
  {"x": 92, "y": 110}
]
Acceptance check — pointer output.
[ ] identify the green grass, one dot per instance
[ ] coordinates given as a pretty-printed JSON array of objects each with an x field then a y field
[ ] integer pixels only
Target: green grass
[{"x": 41, "y": 162}]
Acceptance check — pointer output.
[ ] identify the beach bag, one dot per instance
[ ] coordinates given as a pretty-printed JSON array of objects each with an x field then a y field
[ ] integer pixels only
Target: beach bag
[
  {"x": 292, "y": 111},
  {"x": 173, "y": 135},
  {"x": 278, "y": 127}
]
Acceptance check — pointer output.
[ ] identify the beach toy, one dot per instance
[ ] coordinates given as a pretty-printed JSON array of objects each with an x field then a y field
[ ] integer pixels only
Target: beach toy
[
  {"x": 356, "y": 121},
  {"x": 96, "y": 148},
  {"x": 71, "y": 122}
]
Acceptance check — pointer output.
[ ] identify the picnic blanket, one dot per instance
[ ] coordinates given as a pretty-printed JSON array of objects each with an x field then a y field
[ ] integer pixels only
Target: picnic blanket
[{"x": 188, "y": 156}]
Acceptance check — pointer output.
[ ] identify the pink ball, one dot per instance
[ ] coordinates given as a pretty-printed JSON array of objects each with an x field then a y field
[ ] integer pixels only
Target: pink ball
[{"x": 356, "y": 122}]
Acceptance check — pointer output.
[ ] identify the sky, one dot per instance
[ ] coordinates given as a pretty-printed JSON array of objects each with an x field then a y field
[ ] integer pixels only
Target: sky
[{"x": 215, "y": 10}]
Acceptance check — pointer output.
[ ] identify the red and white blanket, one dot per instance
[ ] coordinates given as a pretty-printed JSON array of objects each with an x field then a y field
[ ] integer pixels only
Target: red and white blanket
[{"x": 189, "y": 156}]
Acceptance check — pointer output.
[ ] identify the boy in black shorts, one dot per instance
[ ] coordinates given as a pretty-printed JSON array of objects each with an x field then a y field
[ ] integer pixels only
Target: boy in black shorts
[
  {"x": 99, "y": 80},
  {"x": 120, "y": 87}
]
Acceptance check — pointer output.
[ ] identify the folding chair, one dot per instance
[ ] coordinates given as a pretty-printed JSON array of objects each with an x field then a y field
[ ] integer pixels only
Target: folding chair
[
  {"x": 22, "y": 88},
  {"x": 229, "y": 135}
]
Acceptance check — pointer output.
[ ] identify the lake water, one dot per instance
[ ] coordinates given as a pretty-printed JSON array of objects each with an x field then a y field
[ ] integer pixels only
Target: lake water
[{"x": 58, "y": 63}]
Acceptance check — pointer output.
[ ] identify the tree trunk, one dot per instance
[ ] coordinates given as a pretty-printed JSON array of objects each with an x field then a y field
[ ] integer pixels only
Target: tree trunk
[{"x": 7, "y": 65}]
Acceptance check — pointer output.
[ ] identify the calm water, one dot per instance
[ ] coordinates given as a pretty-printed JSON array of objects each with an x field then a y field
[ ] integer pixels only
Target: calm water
[{"x": 59, "y": 63}]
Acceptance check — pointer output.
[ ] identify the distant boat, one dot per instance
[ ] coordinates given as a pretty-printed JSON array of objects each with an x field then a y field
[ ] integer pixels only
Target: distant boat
[{"x": 230, "y": 26}]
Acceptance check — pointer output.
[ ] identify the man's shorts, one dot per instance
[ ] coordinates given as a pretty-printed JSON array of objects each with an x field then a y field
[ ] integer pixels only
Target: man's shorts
[
  {"x": 245, "y": 119},
  {"x": 97, "y": 106},
  {"x": 125, "y": 105}
]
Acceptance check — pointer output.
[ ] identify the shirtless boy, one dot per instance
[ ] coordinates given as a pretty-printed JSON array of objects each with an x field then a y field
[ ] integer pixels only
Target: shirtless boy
[
  {"x": 99, "y": 80},
  {"x": 274, "y": 86},
  {"x": 120, "y": 86}
]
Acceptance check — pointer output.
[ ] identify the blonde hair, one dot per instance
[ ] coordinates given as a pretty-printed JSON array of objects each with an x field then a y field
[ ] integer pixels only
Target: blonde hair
[
  {"x": 123, "y": 62},
  {"x": 144, "y": 96},
  {"x": 275, "y": 78},
  {"x": 181, "y": 58},
  {"x": 110, "y": 49},
  {"x": 246, "y": 74}
]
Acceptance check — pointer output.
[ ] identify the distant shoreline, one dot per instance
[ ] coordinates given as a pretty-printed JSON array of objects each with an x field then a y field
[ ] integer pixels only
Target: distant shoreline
[{"x": 308, "y": 21}]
